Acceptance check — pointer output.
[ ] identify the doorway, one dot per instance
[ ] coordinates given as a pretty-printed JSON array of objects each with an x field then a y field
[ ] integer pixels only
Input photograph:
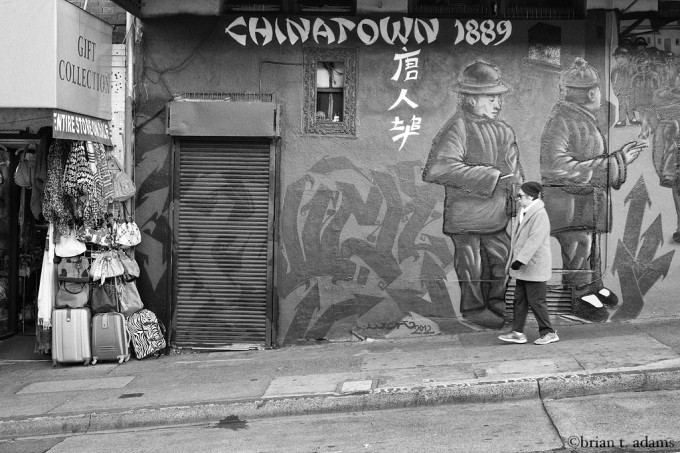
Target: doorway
[
  {"x": 224, "y": 243},
  {"x": 22, "y": 239}
]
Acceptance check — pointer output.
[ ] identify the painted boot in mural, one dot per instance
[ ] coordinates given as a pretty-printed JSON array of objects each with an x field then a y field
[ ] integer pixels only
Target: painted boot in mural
[
  {"x": 608, "y": 298},
  {"x": 485, "y": 318},
  {"x": 590, "y": 308}
]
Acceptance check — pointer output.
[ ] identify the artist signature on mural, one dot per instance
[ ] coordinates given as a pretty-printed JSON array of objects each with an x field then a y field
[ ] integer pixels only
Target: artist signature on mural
[{"x": 418, "y": 329}]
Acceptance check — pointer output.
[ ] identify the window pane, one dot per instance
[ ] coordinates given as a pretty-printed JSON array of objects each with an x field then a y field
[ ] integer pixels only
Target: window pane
[
  {"x": 330, "y": 74},
  {"x": 330, "y": 91},
  {"x": 253, "y": 5},
  {"x": 329, "y": 106},
  {"x": 325, "y": 6}
]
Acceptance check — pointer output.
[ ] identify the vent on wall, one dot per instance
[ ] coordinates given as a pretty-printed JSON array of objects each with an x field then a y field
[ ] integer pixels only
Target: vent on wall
[
  {"x": 557, "y": 296},
  {"x": 230, "y": 97}
]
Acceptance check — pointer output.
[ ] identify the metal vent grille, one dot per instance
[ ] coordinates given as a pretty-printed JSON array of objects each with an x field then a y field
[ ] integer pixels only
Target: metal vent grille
[
  {"x": 558, "y": 298},
  {"x": 223, "y": 247},
  {"x": 231, "y": 97}
]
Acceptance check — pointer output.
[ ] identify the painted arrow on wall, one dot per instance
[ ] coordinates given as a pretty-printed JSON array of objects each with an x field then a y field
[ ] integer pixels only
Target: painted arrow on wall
[{"x": 638, "y": 270}]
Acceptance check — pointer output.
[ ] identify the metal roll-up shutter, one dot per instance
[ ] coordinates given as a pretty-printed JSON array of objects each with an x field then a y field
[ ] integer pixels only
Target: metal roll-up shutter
[{"x": 223, "y": 246}]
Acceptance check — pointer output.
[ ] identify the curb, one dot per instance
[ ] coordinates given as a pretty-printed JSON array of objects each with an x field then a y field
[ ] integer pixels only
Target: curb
[
  {"x": 553, "y": 387},
  {"x": 571, "y": 386}
]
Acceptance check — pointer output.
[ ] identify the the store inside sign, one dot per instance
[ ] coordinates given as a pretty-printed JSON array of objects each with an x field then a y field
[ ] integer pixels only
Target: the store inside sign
[
  {"x": 55, "y": 55},
  {"x": 72, "y": 126}
]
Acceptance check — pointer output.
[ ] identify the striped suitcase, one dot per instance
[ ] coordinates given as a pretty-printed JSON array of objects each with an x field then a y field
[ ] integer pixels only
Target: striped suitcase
[
  {"x": 71, "y": 335},
  {"x": 110, "y": 338}
]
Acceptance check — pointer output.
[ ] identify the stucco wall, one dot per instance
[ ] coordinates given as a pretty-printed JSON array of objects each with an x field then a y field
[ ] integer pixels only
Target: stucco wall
[{"x": 361, "y": 249}]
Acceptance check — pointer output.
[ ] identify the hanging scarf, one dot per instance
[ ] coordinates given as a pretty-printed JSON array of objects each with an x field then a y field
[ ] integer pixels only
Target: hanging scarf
[
  {"x": 105, "y": 172},
  {"x": 57, "y": 206},
  {"x": 94, "y": 210},
  {"x": 48, "y": 280}
]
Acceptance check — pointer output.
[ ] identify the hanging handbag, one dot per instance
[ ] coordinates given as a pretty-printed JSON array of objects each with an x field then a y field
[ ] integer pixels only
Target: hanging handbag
[
  {"x": 69, "y": 245},
  {"x": 128, "y": 297},
  {"x": 74, "y": 269},
  {"x": 103, "y": 298},
  {"x": 72, "y": 294},
  {"x": 23, "y": 175},
  {"x": 123, "y": 186},
  {"x": 126, "y": 231},
  {"x": 105, "y": 265},
  {"x": 129, "y": 264},
  {"x": 100, "y": 236}
]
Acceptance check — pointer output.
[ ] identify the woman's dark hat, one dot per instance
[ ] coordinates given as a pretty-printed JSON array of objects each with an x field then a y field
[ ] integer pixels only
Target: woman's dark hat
[{"x": 532, "y": 188}]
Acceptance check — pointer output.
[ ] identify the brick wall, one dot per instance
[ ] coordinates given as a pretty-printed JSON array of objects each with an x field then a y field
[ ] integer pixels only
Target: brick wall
[{"x": 108, "y": 12}]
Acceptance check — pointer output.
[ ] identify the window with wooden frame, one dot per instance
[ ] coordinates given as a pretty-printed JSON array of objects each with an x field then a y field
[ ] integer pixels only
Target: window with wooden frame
[
  {"x": 330, "y": 91},
  {"x": 318, "y": 7},
  {"x": 344, "y": 7},
  {"x": 521, "y": 9},
  {"x": 255, "y": 6}
]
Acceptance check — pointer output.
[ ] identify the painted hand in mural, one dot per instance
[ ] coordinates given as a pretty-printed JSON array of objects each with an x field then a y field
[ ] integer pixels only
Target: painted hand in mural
[{"x": 631, "y": 151}]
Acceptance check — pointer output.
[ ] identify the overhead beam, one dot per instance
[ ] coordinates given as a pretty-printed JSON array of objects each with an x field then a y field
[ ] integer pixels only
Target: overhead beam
[{"x": 133, "y": 7}]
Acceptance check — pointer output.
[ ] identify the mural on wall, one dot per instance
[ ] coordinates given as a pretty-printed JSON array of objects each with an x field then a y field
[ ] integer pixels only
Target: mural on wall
[
  {"x": 578, "y": 171},
  {"x": 476, "y": 158},
  {"x": 361, "y": 254},
  {"x": 645, "y": 84},
  {"x": 401, "y": 228},
  {"x": 151, "y": 214}
]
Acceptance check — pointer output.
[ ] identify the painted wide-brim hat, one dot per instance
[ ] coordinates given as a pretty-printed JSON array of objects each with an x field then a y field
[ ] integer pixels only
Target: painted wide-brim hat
[{"x": 481, "y": 78}]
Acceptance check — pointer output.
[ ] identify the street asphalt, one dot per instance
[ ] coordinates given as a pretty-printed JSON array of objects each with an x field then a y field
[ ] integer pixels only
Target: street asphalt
[{"x": 318, "y": 377}]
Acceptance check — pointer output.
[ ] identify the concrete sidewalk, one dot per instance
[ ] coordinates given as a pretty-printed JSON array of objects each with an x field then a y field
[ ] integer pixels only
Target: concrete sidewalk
[{"x": 37, "y": 399}]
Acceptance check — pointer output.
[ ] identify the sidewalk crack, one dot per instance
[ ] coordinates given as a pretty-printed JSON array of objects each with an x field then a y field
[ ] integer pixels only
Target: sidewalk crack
[{"x": 547, "y": 412}]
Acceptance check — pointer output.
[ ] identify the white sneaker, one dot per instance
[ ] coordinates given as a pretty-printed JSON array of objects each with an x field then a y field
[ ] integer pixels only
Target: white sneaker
[
  {"x": 550, "y": 337},
  {"x": 513, "y": 337}
]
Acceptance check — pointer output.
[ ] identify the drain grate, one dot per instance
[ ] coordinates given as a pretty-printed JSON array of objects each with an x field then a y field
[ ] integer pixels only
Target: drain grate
[{"x": 131, "y": 395}]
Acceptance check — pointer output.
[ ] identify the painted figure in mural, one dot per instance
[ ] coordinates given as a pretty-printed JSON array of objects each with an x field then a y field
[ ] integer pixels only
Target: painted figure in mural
[
  {"x": 621, "y": 76},
  {"x": 577, "y": 172},
  {"x": 476, "y": 158},
  {"x": 665, "y": 149},
  {"x": 531, "y": 265},
  {"x": 644, "y": 83}
]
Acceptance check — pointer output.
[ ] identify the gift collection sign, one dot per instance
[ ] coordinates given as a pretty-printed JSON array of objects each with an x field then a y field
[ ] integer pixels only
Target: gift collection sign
[{"x": 60, "y": 57}]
